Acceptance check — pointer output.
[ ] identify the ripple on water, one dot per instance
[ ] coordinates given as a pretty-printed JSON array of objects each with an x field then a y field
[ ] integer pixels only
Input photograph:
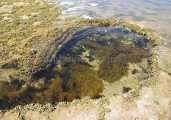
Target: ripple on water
[
  {"x": 67, "y": 3},
  {"x": 73, "y": 9}
]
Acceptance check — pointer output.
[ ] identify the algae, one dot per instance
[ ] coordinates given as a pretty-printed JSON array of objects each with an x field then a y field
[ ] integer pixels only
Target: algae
[{"x": 19, "y": 38}]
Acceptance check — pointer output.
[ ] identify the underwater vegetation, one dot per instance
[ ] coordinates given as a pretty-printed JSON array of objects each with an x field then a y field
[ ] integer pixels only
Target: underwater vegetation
[
  {"x": 30, "y": 24},
  {"x": 112, "y": 51},
  {"x": 151, "y": 35},
  {"x": 82, "y": 81},
  {"x": 78, "y": 83},
  {"x": 11, "y": 94}
]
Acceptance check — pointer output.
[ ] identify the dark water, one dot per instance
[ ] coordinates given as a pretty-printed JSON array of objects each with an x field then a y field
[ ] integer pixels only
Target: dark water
[{"x": 108, "y": 50}]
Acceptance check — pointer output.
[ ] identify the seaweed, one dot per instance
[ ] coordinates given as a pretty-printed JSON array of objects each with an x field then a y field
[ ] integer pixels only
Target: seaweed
[{"x": 83, "y": 81}]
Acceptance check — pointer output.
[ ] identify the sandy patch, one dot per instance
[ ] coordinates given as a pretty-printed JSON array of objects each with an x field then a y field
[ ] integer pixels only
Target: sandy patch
[{"x": 130, "y": 81}]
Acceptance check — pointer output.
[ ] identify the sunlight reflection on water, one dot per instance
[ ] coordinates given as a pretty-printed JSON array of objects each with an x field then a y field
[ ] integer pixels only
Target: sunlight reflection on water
[{"x": 154, "y": 14}]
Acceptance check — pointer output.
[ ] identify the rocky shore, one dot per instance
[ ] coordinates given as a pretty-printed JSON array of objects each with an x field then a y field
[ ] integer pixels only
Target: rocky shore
[{"x": 22, "y": 59}]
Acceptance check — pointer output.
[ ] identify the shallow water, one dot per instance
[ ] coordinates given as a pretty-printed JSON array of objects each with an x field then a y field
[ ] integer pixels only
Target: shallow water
[
  {"x": 103, "y": 55},
  {"x": 153, "y": 14},
  {"x": 91, "y": 57}
]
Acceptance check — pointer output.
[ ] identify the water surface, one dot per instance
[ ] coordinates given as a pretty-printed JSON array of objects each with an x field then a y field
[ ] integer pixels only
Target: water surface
[{"x": 154, "y": 14}]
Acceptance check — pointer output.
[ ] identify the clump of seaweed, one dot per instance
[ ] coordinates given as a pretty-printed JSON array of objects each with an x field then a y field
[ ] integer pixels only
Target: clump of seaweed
[
  {"x": 12, "y": 94},
  {"x": 82, "y": 81},
  {"x": 75, "y": 83}
]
